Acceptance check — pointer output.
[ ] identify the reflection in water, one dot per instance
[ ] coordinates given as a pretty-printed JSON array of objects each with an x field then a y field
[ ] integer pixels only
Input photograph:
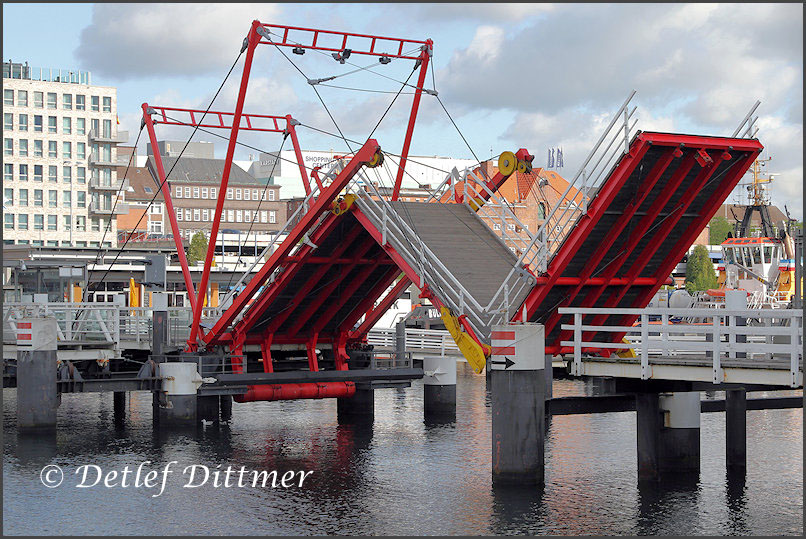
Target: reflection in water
[{"x": 395, "y": 475}]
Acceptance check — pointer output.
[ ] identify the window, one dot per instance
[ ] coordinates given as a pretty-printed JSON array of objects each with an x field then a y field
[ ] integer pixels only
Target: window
[
  {"x": 8, "y": 121},
  {"x": 79, "y": 102},
  {"x": 238, "y": 216},
  {"x": 81, "y": 223},
  {"x": 107, "y": 104},
  {"x": 247, "y": 195},
  {"x": 39, "y": 100},
  {"x": 205, "y": 215},
  {"x": 67, "y": 199},
  {"x": 231, "y": 216},
  {"x": 195, "y": 192},
  {"x": 8, "y": 172},
  {"x": 254, "y": 194},
  {"x": 37, "y": 148},
  {"x": 53, "y": 199},
  {"x": 187, "y": 215},
  {"x": 94, "y": 124},
  {"x": 187, "y": 193},
  {"x": 178, "y": 192},
  {"x": 67, "y": 174},
  {"x": 53, "y": 173},
  {"x": 23, "y": 173},
  {"x": 23, "y": 122},
  {"x": 39, "y": 222},
  {"x": 204, "y": 192},
  {"x": 8, "y": 196},
  {"x": 272, "y": 216},
  {"x": 238, "y": 195},
  {"x": 107, "y": 133},
  {"x": 94, "y": 103},
  {"x": 67, "y": 225},
  {"x": 23, "y": 198},
  {"x": 95, "y": 224},
  {"x": 37, "y": 123},
  {"x": 67, "y": 127},
  {"x": 37, "y": 173},
  {"x": 229, "y": 194},
  {"x": 8, "y": 97},
  {"x": 67, "y": 150},
  {"x": 196, "y": 214},
  {"x": 67, "y": 101},
  {"x": 23, "y": 144},
  {"x": 81, "y": 150},
  {"x": 271, "y": 194},
  {"x": 179, "y": 214},
  {"x": 53, "y": 150},
  {"x": 22, "y": 221},
  {"x": 8, "y": 146},
  {"x": 81, "y": 175},
  {"x": 9, "y": 221},
  {"x": 81, "y": 199},
  {"x": 497, "y": 226},
  {"x": 51, "y": 100},
  {"x": 53, "y": 223},
  {"x": 81, "y": 126},
  {"x": 212, "y": 192},
  {"x": 247, "y": 216},
  {"x": 52, "y": 124},
  {"x": 264, "y": 216},
  {"x": 22, "y": 98}
]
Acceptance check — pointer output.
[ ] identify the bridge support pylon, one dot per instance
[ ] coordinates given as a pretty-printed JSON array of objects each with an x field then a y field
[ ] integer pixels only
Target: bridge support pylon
[
  {"x": 668, "y": 434},
  {"x": 37, "y": 395},
  {"x": 360, "y": 408},
  {"x": 439, "y": 388}
]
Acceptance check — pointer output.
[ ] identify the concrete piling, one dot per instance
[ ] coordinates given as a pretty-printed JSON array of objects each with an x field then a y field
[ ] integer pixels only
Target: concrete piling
[
  {"x": 736, "y": 429},
  {"x": 179, "y": 387},
  {"x": 668, "y": 434},
  {"x": 439, "y": 387},
  {"x": 207, "y": 407},
  {"x": 518, "y": 381},
  {"x": 37, "y": 394},
  {"x": 119, "y": 406},
  {"x": 358, "y": 408}
]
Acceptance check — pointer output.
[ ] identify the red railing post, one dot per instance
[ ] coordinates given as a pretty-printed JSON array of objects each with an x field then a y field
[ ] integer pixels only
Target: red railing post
[{"x": 306, "y": 183}]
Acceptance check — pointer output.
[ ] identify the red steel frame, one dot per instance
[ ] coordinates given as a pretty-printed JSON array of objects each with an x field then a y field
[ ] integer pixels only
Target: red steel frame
[
  {"x": 257, "y": 32},
  {"x": 276, "y": 124},
  {"x": 694, "y": 147}
]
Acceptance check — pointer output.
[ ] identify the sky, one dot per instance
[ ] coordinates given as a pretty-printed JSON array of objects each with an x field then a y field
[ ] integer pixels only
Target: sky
[{"x": 509, "y": 75}]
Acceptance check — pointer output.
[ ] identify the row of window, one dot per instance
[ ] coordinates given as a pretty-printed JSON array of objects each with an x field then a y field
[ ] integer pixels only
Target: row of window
[
  {"x": 227, "y": 216},
  {"x": 22, "y": 124},
  {"x": 20, "y": 221},
  {"x": 22, "y": 200},
  {"x": 40, "y": 99},
  {"x": 37, "y": 171},
  {"x": 55, "y": 243},
  {"x": 232, "y": 194},
  {"x": 102, "y": 152}
]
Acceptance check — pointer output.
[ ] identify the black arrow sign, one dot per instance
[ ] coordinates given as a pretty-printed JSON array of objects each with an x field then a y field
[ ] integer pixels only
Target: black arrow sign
[{"x": 507, "y": 363}]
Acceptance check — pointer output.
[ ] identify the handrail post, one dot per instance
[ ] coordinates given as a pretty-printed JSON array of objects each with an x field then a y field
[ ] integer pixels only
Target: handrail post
[
  {"x": 645, "y": 344},
  {"x": 794, "y": 348},
  {"x": 578, "y": 344},
  {"x": 717, "y": 374}
]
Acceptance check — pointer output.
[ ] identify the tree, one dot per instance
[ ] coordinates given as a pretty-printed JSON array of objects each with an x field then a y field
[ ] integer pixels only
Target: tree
[
  {"x": 700, "y": 274},
  {"x": 198, "y": 248},
  {"x": 719, "y": 228}
]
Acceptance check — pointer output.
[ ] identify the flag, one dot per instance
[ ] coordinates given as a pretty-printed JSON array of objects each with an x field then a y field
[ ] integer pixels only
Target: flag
[{"x": 117, "y": 119}]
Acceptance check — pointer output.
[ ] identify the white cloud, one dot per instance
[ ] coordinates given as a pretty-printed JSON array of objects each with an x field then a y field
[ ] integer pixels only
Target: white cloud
[{"x": 134, "y": 40}]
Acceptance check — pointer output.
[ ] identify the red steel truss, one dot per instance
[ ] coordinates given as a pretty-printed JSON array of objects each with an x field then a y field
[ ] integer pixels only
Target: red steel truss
[{"x": 643, "y": 219}]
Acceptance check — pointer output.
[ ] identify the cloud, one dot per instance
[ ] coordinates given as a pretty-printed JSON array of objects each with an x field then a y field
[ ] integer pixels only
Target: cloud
[
  {"x": 134, "y": 40},
  {"x": 483, "y": 11}
]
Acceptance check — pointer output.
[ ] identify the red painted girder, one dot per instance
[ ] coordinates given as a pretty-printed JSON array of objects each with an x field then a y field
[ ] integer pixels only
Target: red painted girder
[
  {"x": 597, "y": 281},
  {"x": 375, "y": 314},
  {"x": 322, "y": 203},
  {"x": 350, "y": 320},
  {"x": 331, "y": 311},
  {"x": 586, "y": 223},
  {"x": 324, "y": 293},
  {"x": 702, "y": 142},
  {"x": 326, "y": 260},
  {"x": 301, "y": 293},
  {"x": 613, "y": 234},
  {"x": 357, "y": 46},
  {"x": 415, "y": 105},
  {"x": 274, "y": 124}
]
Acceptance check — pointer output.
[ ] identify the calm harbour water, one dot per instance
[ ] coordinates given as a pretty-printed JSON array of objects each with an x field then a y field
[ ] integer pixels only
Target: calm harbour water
[{"x": 400, "y": 476}]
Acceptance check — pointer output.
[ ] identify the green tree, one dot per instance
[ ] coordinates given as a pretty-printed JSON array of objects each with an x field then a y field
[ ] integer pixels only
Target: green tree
[
  {"x": 700, "y": 274},
  {"x": 198, "y": 248},
  {"x": 719, "y": 228}
]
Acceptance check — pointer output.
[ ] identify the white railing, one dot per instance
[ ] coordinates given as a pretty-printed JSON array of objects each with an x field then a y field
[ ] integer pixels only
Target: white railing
[
  {"x": 417, "y": 340},
  {"x": 751, "y": 345}
]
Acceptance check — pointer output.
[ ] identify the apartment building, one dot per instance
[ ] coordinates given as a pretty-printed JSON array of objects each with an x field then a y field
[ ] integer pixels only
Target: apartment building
[{"x": 60, "y": 138}]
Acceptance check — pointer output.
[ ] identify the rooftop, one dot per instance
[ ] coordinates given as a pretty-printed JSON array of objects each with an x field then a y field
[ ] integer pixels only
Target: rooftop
[
  {"x": 199, "y": 170},
  {"x": 12, "y": 70}
]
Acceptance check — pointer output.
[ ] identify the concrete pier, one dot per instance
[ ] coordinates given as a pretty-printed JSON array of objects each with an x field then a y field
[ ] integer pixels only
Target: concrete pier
[
  {"x": 225, "y": 407},
  {"x": 37, "y": 395},
  {"x": 439, "y": 387},
  {"x": 358, "y": 408},
  {"x": 517, "y": 385},
  {"x": 179, "y": 388},
  {"x": 736, "y": 430},
  {"x": 668, "y": 434},
  {"x": 119, "y": 406},
  {"x": 207, "y": 408}
]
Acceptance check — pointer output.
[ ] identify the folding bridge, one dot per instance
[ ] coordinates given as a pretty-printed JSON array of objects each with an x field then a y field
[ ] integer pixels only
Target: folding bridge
[{"x": 350, "y": 245}]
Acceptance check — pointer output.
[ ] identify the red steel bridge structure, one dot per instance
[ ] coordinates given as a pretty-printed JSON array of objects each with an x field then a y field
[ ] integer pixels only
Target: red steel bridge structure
[{"x": 351, "y": 252}]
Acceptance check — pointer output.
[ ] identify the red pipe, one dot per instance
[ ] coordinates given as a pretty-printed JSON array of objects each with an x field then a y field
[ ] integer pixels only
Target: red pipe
[{"x": 285, "y": 392}]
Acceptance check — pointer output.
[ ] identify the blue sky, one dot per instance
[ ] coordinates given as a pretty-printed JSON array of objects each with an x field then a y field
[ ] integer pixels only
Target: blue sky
[{"x": 511, "y": 75}]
